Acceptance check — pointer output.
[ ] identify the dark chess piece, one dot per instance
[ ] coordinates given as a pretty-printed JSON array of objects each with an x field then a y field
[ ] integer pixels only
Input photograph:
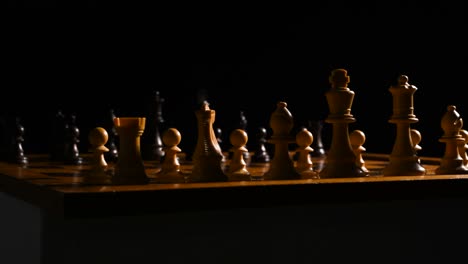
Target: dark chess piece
[
  {"x": 243, "y": 126},
  {"x": 71, "y": 151},
  {"x": 219, "y": 134},
  {"x": 16, "y": 152},
  {"x": 58, "y": 134},
  {"x": 316, "y": 127},
  {"x": 3, "y": 137},
  {"x": 260, "y": 154},
  {"x": 113, "y": 153},
  {"x": 242, "y": 121},
  {"x": 152, "y": 148}
]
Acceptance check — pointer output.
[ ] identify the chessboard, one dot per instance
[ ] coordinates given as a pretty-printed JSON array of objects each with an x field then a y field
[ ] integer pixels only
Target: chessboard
[
  {"x": 155, "y": 174},
  {"x": 59, "y": 188}
]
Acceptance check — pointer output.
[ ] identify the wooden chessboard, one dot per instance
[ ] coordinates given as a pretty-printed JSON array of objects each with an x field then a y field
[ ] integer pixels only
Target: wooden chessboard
[{"x": 59, "y": 188}]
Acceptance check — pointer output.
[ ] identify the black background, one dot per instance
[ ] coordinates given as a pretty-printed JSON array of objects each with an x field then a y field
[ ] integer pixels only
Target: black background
[{"x": 239, "y": 60}]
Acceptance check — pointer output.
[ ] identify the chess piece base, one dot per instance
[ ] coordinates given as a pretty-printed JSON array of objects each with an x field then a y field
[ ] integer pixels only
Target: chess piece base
[
  {"x": 451, "y": 166},
  {"x": 342, "y": 170},
  {"x": 97, "y": 178},
  {"x": 241, "y": 175},
  {"x": 171, "y": 177},
  {"x": 309, "y": 174},
  {"x": 208, "y": 169},
  {"x": 399, "y": 166}
]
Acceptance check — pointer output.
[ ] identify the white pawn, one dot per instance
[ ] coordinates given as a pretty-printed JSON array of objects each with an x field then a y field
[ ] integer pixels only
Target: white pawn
[
  {"x": 97, "y": 174},
  {"x": 463, "y": 146},
  {"x": 304, "y": 164},
  {"x": 416, "y": 139},
  {"x": 357, "y": 139},
  {"x": 170, "y": 168},
  {"x": 237, "y": 170}
]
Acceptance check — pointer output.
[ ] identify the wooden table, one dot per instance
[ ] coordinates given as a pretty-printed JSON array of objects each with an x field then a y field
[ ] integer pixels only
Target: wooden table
[{"x": 376, "y": 219}]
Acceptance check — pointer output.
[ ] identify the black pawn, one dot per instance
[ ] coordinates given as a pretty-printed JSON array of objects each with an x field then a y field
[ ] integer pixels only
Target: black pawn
[
  {"x": 113, "y": 154},
  {"x": 71, "y": 153},
  {"x": 260, "y": 154},
  {"x": 219, "y": 134},
  {"x": 191, "y": 138},
  {"x": 316, "y": 127},
  {"x": 242, "y": 121},
  {"x": 3, "y": 138},
  {"x": 152, "y": 142},
  {"x": 58, "y": 135},
  {"x": 16, "y": 153},
  {"x": 219, "y": 137},
  {"x": 243, "y": 126}
]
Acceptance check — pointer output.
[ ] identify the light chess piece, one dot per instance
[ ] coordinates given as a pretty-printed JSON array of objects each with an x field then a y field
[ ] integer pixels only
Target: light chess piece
[
  {"x": 207, "y": 157},
  {"x": 97, "y": 174},
  {"x": 237, "y": 170},
  {"x": 304, "y": 164},
  {"x": 243, "y": 125},
  {"x": 357, "y": 139},
  {"x": 451, "y": 162},
  {"x": 129, "y": 168},
  {"x": 403, "y": 160},
  {"x": 340, "y": 160},
  {"x": 416, "y": 139},
  {"x": 282, "y": 165},
  {"x": 463, "y": 146},
  {"x": 170, "y": 168}
]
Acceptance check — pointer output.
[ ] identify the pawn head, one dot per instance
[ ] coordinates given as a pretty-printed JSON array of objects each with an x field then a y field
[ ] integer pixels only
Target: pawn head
[{"x": 98, "y": 137}]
